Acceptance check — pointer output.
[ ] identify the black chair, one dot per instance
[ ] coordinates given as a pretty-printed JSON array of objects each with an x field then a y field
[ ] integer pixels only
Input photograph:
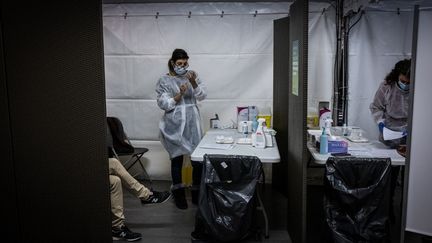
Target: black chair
[
  {"x": 356, "y": 199},
  {"x": 228, "y": 197},
  {"x": 121, "y": 146}
]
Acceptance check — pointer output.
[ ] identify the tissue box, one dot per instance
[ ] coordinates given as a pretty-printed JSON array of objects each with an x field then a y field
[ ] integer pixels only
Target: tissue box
[{"x": 338, "y": 146}]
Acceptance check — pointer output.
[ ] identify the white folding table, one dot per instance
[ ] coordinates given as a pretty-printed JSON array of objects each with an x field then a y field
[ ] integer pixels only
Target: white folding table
[
  {"x": 267, "y": 155},
  {"x": 369, "y": 149}
]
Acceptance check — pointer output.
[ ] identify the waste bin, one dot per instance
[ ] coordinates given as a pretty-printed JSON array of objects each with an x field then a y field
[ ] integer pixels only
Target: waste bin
[
  {"x": 356, "y": 199},
  {"x": 227, "y": 197}
]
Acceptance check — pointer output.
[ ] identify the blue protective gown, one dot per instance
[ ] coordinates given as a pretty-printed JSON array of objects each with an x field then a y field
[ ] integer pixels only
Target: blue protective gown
[{"x": 180, "y": 126}]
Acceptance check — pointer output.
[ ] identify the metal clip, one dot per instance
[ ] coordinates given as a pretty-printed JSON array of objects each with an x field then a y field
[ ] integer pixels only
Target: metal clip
[
  {"x": 157, "y": 15},
  {"x": 222, "y": 14},
  {"x": 125, "y": 15},
  {"x": 189, "y": 15},
  {"x": 256, "y": 13}
]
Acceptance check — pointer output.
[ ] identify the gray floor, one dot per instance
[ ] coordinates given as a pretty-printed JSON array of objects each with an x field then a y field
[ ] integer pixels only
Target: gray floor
[{"x": 165, "y": 223}]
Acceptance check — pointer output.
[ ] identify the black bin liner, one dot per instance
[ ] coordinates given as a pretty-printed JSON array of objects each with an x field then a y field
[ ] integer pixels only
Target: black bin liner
[
  {"x": 356, "y": 199},
  {"x": 227, "y": 197}
]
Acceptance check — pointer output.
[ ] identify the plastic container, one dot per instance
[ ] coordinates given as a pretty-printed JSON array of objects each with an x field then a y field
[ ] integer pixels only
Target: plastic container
[
  {"x": 187, "y": 172},
  {"x": 254, "y": 125},
  {"x": 244, "y": 129},
  {"x": 267, "y": 119},
  {"x": 253, "y": 112},
  {"x": 266, "y": 114}
]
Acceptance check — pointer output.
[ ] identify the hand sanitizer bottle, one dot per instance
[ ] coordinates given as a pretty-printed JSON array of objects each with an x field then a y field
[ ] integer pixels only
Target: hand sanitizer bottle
[
  {"x": 260, "y": 139},
  {"x": 323, "y": 142}
]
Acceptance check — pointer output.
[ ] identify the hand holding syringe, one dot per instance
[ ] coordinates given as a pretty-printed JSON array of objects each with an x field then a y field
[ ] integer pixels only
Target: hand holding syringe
[
  {"x": 191, "y": 75},
  {"x": 183, "y": 88}
]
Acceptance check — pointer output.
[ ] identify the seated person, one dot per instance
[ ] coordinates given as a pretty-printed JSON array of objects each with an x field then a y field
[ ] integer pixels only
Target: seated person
[{"x": 118, "y": 176}]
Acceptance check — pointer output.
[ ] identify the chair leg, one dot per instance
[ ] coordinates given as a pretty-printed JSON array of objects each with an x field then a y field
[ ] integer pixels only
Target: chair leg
[{"x": 137, "y": 158}]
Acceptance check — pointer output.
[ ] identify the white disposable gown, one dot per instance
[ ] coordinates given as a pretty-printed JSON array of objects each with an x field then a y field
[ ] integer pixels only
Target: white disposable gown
[
  {"x": 180, "y": 126},
  {"x": 390, "y": 106}
]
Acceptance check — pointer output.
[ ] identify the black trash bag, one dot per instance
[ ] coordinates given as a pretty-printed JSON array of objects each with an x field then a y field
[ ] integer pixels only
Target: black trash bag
[
  {"x": 356, "y": 199},
  {"x": 227, "y": 197}
]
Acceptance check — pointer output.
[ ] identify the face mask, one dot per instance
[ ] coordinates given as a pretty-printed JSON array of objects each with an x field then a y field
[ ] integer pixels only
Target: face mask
[
  {"x": 180, "y": 70},
  {"x": 403, "y": 86}
]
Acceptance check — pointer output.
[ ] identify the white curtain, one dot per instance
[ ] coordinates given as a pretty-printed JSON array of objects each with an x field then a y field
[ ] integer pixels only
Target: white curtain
[{"x": 321, "y": 55}]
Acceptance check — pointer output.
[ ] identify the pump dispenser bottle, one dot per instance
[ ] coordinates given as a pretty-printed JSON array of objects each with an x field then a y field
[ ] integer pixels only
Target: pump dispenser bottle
[
  {"x": 260, "y": 141},
  {"x": 323, "y": 142}
]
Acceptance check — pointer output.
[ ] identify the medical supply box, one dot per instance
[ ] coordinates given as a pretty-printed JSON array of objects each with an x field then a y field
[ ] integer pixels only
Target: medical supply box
[{"x": 336, "y": 146}]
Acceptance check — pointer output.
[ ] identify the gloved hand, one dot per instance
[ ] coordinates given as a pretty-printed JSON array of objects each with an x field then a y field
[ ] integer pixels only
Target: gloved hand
[
  {"x": 381, "y": 126},
  {"x": 404, "y": 132}
]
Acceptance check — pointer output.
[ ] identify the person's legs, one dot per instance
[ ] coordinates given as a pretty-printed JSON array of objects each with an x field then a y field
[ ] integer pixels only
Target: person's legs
[
  {"x": 176, "y": 171},
  {"x": 117, "y": 169},
  {"x": 119, "y": 230},
  {"x": 144, "y": 194},
  {"x": 116, "y": 201},
  {"x": 196, "y": 181},
  {"x": 178, "y": 188}
]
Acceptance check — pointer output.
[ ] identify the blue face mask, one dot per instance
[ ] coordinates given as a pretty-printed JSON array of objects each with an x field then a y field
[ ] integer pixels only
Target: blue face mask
[
  {"x": 403, "y": 86},
  {"x": 180, "y": 70}
]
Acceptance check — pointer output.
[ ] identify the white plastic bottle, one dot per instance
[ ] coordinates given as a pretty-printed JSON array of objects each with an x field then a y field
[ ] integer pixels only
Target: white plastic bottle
[{"x": 260, "y": 139}]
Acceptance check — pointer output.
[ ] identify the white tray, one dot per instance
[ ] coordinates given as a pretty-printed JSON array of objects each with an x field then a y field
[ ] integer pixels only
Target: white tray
[{"x": 358, "y": 140}]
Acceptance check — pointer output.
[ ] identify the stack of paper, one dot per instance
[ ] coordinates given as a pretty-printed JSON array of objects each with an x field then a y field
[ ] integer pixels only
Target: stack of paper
[{"x": 390, "y": 134}]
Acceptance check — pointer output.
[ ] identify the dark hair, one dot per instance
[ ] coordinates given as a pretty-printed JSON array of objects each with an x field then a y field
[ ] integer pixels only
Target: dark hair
[
  {"x": 401, "y": 67},
  {"x": 176, "y": 55}
]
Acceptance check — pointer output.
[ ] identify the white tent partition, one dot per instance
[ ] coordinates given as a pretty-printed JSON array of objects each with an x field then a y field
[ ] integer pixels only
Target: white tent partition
[
  {"x": 231, "y": 51},
  {"x": 321, "y": 55},
  {"x": 419, "y": 198}
]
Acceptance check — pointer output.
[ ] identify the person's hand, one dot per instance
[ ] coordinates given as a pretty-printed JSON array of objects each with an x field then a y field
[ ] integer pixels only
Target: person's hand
[
  {"x": 402, "y": 150},
  {"x": 183, "y": 88},
  {"x": 191, "y": 75},
  {"x": 404, "y": 132},
  {"x": 381, "y": 127}
]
